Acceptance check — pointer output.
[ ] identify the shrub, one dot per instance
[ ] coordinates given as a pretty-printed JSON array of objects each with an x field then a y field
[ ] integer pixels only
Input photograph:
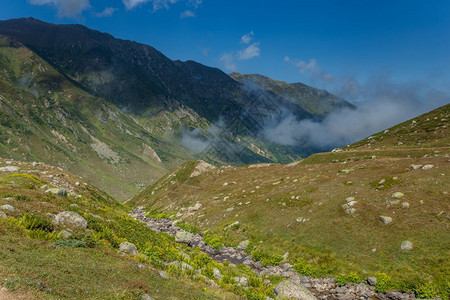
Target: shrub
[
  {"x": 32, "y": 222},
  {"x": 351, "y": 277},
  {"x": 426, "y": 290},
  {"x": 42, "y": 235},
  {"x": 266, "y": 259},
  {"x": 302, "y": 267},
  {"x": 383, "y": 282}
]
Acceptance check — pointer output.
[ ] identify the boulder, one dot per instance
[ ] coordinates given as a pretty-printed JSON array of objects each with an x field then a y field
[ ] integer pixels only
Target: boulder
[
  {"x": 405, "y": 205},
  {"x": 9, "y": 169},
  {"x": 2, "y": 215},
  {"x": 217, "y": 274},
  {"x": 128, "y": 248},
  {"x": 397, "y": 195},
  {"x": 7, "y": 207},
  {"x": 416, "y": 167},
  {"x": 185, "y": 266},
  {"x": 427, "y": 167},
  {"x": 385, "y": 219},
  {"x": 184, "y": 237},
  {"x": 243, "y": 245},
  {"x": 163, "y": 274},
  {"x": 65, "y": 234},
  {"x": 288, "y": 289},
  {"x": 146, "y": 297},
  {"x": 372, "y": 281},
  {"x": 406, "y": 246},
  {"x": 70, "y": 217},
  {"x": 242, "y": 281},
  {"x": 44, "y": 187}
]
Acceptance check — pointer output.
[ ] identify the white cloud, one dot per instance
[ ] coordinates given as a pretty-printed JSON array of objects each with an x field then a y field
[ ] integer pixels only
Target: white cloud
[
  {"x": 157, "y": 4},
  {"x": 65, "y": 8},
  {"x": 228, "y": 61},
  {"x": 250, "y": 52},
  {"x": 187, "y": 14},
  {"x": 247, "y": 38},
  {"x": 107, "y": 12},
  {"x": 195, "y": 3}
]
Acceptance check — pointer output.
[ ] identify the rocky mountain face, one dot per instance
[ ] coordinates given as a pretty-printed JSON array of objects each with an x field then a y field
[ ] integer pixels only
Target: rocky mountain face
[{"x": 177, "y": 110}]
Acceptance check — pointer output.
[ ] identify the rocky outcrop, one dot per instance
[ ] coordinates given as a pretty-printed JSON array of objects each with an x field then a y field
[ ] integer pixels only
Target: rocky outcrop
[{"x": 71, "y": 218}]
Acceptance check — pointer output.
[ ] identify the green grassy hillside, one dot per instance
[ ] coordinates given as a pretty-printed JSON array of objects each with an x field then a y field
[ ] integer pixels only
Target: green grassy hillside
[
  {"x": 42, "y": 258},
  {"x": 45, "y": 117},
  {"x": 306, "y": 208}
]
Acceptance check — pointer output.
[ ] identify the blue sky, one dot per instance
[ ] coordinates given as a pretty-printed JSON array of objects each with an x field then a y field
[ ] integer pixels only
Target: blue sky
[{"x": 338, "y": 45}]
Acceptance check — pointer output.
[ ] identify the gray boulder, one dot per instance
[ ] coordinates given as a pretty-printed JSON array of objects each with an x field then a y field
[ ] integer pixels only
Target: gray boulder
[
  {"x": 7, "y": 207},
  {"x": 2, "y": 215},
  {"x": 184, "y": 237},
  {"x": 398, "y": 195},
  {"x": 217, "y": 274},
  {"x": 385, "y": 219},
  {"x": 70, "y": 217},
  {"x": 406, "y": 246},
  {"x": 163, "y": 274},
  {"x": 372, "y": 281},
  {"x": 288, "y": 289},
  {"x": 128, "y": 248},
  {"x": 243, "y": 245}
]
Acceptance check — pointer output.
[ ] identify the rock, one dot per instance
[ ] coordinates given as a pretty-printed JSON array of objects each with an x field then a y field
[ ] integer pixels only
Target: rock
[
  {"x": 242, "y": 281},
  {"x": 184, "y": 237},
  {"x": 405, "y": 205},
  {"x": 2, "y": 215},
  {"x": 350, "y": 199},
  {"x": 288, "y": 289},
  {"x": 372, "y": 281},
  {"x": 74, "y": 205},
  {"x": 299, "y": 219},
  {"x": 44, "y": 187},
  {"x": 416, "y": 167},
  {"x": 62, "y": 192},
  {"x": 185, "y": 266},
  {"x": 196, "y": 207},
  {"x": 406, "y": 246},
  {"x": 385, "y": 219},
  {"x": 70, "y": 217},
  {"x": 9, "y": 169},
  {"x": 128, "y": 248},
  {"x": 243, "y": 245},
  {"x": 52, "y": 190},
  {"x": 201, "y": 168},
  {"x": 146, "y": 297},
  {"x": 65, "y": 233},
  {"x": 163, "y": 274},
  {"x": 427, "y": 167},
  {"x": 7, "y": 207},
  {"x": 397, "y": 195},
  {"x": 217, "y": 274},
  {"x": 231, "y": 225}
]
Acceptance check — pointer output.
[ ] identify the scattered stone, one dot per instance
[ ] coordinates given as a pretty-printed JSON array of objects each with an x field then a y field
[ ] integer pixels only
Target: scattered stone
[
  {"x": 405, "y": 205},
  {"x": 385, "y": 219},
  {"x": 128, "y": 248},
  {"x": 184, "y": 237},
  {"x": 196, "y": 207},
  {"x": 406, "y": 246},
  {"x": 146, "y": 297},
  {"x": 65, "y": 234},
  {"x": 372, "y": 281},
  {"x": 70, "y": 217},
  {"x": 185, "y": 266},
  {"x": 231, "y": 225},
  {"x": 2, "y": 215},
  {"x": 217, "y": 274},
  {"x": 9, "y": 169},
  {"x": 74, "y": 205},
  {"x": 290, "y": 290},
  {"x": 7, "y": 207},
  {"x": 427, "y": 167},
  {"x": 382, "y": 181},
  {"x": 163, "y": 274},
  {"x": 350, "y": 199},
  {"x": 44, "y": 187},
  {"x": 397, "y": 195},
  {"x": 243, "y": 245},
  {"x": 242, "y": 281}
]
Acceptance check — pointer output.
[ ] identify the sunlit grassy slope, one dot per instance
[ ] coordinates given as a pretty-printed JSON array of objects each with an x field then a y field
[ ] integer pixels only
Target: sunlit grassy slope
[
  {"x": 269, "y": 200},
  {"x": 37, "y": 262}
]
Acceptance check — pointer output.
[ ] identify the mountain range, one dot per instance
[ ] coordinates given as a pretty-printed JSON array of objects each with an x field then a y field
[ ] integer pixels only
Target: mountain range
[{"x": 98, "y": 105}]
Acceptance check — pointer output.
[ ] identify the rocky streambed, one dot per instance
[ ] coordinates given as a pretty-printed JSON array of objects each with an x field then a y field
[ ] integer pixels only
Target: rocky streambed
[{"x": 295, "y": 286}]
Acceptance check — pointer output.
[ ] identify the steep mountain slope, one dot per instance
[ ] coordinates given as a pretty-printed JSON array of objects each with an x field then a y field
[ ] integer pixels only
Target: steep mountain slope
[
  {"x": 45, "y": 117},
  {"x": 350, "y": 213},
  {"x": 169, "y": 97},
  {"x": 316, "y": 102}
]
